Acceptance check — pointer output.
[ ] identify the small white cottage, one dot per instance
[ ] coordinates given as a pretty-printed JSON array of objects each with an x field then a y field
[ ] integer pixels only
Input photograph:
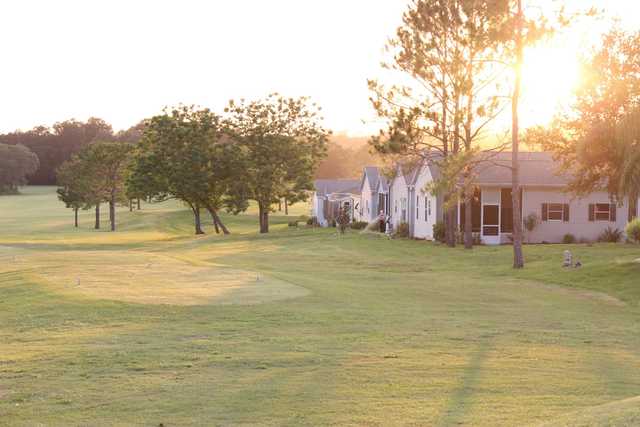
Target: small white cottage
[{"x": 331, "y": 195}]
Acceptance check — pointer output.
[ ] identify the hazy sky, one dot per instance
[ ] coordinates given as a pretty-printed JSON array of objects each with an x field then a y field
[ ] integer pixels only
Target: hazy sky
[{"x": 123, "y": 60}]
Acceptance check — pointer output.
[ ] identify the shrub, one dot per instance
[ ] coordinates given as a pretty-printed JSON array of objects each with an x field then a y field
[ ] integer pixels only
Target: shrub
[
  {"x": 333, "y": 223},
  {"x": 402, "y": 230},
  {"x": 313, "y": 221},
  {"x": 569, "y": 239},
  {"x": 633, "y": 230},
  {"x": 531, "y": 221},
  {"x": 304, "y": 218},
  {"x": 359, "y": 225},
  {"x": 438, "y": 232},
  {"x": 610, "y": 235},
  {"x": 293, "y": 223}
]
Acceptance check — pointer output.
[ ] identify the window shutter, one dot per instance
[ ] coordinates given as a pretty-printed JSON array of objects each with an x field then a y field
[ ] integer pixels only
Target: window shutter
[
  {"x": 566, "y": 213},
  {"x": 545, "y": 212},
  {"x": 592, "y": 212},
  {"x": 613, "y": 208}
]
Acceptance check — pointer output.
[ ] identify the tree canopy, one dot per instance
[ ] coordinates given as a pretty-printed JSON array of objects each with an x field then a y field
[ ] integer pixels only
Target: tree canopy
[
  {"x": 184, "y": 154},
  {"x": 96, "y": 174},
  {"x": 282, "y": 141},
  {"x": 17, "y": 163}
]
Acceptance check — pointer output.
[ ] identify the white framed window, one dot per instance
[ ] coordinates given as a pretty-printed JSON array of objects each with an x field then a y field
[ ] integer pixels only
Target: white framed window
[
  {"x": 367, "y": 203},
  {"x": 403, "y": 206},
  {"x": 426, "y": 209},
  {"x": 602, "y": 212},
  {"x": 556, "y": 212},
  {"x": 417, "y": 207},
  {"x": 395, "y": 207},
  {"x": 429, "y": 209}
]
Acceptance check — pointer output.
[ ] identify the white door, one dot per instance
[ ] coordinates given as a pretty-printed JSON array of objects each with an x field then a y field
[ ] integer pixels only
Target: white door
[{"x": 491, "y": 224}]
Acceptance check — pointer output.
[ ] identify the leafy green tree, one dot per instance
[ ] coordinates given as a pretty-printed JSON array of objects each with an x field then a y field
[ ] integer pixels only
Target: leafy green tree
[
  {"x": 101, "y": 171},
  {"x": 79, "y": 185},
  {"x": 282, "y": 141},
  {"x": 17, "y": 162},
  {"x": 110, "y": 161},
  {"x": 70, "y": 191},
  {"x": 184, "y": 154}
]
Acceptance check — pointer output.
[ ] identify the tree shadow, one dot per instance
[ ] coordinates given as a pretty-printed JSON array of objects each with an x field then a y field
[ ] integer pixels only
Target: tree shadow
[{"x": 460, "y": 400}]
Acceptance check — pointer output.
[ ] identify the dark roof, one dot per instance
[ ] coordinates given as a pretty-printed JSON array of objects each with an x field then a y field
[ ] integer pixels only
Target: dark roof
[
  {"x": 536, "y": 169},
  {"x": 329, "y": 186}
]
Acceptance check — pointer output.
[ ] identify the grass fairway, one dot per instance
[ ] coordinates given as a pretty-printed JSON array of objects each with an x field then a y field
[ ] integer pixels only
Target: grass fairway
[{"x": 152, "y": 325}]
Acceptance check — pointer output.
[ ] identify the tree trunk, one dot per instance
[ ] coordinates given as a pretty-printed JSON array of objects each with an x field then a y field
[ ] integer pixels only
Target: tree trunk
[
  {"x": 75, "y": 212},
  {"x": 196, "y": 219},
  {"x": 217, "y": 222},
  {"x": 97, "y": 226},
  {"x": 518, "y": 257},
  {"x": 468, "y": 224},
  {"x": 264, "y": 217},
  {"x": 112, "y": 213},
  {"x": 286, "y": 206},
  {"x": 138, "y": 203},
  {"x": 468, "y": 204},
  {"x": 130, "y": 205},
  {"x": 451, "y": 226},
  {"x": 279, "y": 205}
]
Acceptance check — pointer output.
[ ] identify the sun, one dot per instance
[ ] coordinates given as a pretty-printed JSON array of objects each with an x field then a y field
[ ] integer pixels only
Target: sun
[{"x": 550, "y": 76}]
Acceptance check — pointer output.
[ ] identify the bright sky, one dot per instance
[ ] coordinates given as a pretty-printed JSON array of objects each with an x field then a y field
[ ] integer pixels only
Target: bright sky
[{"x": 123, "y": 60}]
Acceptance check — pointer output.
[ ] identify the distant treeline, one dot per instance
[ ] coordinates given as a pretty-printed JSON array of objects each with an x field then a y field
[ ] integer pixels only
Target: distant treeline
[
  {"x": 56, "y": 144},
  {"x": 346, "y": 156}
]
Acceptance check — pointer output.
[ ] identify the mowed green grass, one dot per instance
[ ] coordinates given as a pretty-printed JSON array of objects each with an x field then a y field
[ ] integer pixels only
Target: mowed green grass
[{"x": 385, "y": 332}]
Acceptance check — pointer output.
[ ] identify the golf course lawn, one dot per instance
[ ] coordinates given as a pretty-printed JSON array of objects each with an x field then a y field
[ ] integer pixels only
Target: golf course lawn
[{"x": 152, "y": 325}]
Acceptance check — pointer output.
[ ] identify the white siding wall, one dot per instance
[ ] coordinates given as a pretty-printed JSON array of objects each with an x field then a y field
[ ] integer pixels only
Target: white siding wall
[
  {"x": 399, "y": 196},
  {"x": 318, "y": 209},
  {"x": 423, "y": 228},
  {"x": 367, "y": 202},
  {"x": 578, "y": 225}
]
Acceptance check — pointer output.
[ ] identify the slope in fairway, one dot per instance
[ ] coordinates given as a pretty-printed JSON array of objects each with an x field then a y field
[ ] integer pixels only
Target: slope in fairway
[{"x": 165, "y": 327}]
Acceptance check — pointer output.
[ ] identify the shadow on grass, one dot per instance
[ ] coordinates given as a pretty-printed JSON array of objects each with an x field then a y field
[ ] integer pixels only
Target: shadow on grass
[{"x": 460, "y": 401}]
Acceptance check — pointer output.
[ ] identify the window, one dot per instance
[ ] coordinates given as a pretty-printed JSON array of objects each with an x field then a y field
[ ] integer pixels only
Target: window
[
  {"x": 555, "y": 212},
  {"x": 403, "y": 203},
  {"x": 427, "y": 208},
  {"x": 395, "y": 208},
  {"x": 602, "y": 212},
  {"x": 417, "y": 207},
  {"x": 367, "y": 206}
]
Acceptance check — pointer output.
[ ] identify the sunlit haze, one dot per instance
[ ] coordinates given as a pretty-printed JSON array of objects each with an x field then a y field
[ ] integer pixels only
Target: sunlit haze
[{"x": 125, "y": 60}]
